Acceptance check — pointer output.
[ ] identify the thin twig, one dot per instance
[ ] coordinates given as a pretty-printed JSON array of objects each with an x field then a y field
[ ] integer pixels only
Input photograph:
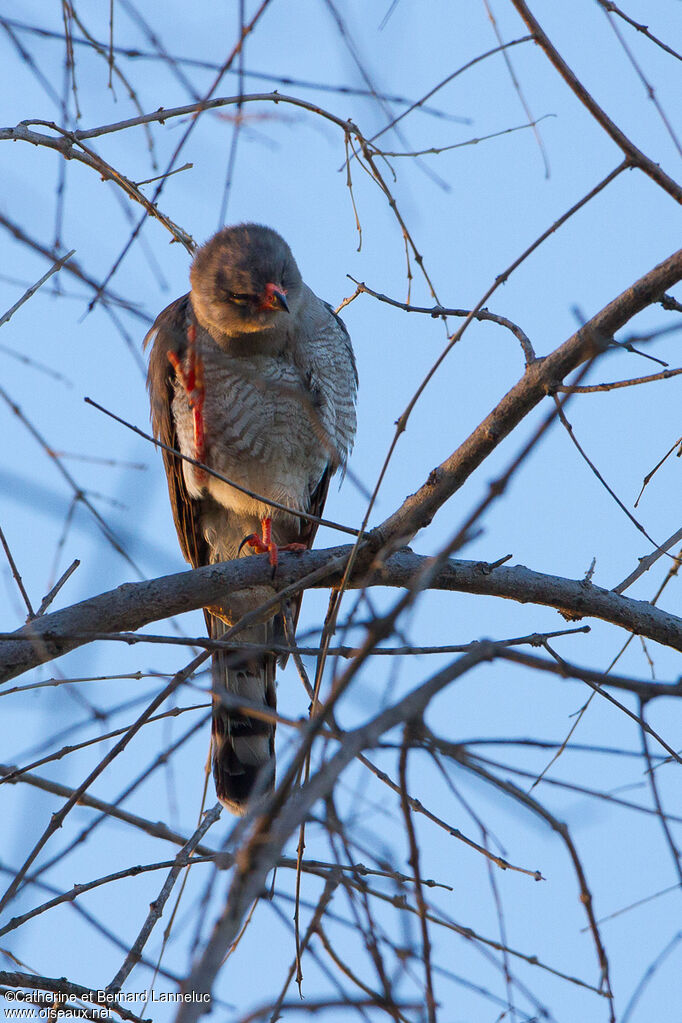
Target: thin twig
[
  {"x": 440, "y": 311},
  {"x": 16, "y": 574},
  {"x": 413, "y": 861},
  {"x": 609, "y": 6},
  {"x": 212, "y": 472},
  {"x": 49, "y": 597},
  {"x": 156, "y": 908},
  {"x": 57, "y": 819},
  {"x": 646, "y": 562},
  {"x": 34, "y": 287},
  {"x": 634, "y": 155},
  {"x": 665, "y": 374}
]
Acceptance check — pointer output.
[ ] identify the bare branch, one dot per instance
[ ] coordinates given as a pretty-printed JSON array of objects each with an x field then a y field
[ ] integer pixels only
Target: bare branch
[
  {"x": 62, "y": 986},
  {"x": 272, "y": 832},
  {"x": 437, "y": 311},
  {"x": 16, "y": 574},
  {"x": 665, "y": 374},
  {"x": 34, "y": 287},
  {"x": 72, "y": 147},
  {"x": 609, "y": 6},
  {"x": 134, "y": 605},
  {"x": 539, "y": 379},
  {"x": 634, "y": 155},
  {"x": 57, "y": 819},
  {"x": 156, "y": 909},
  {"x": 49, "y": 597},
  {"x": 646, "y": 563}
]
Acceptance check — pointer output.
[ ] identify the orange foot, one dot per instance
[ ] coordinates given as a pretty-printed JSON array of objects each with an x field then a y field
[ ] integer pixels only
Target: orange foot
[
  {"x": 192, "y": 382},
  {"x": 266, "y": 545}
]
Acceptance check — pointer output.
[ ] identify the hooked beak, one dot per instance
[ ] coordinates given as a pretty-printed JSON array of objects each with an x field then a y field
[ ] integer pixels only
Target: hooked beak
[{"x": 274, "y": 297}]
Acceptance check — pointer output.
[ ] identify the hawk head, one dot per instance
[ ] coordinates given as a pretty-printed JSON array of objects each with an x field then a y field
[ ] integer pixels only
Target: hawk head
[{"x": 244, "y": 279}]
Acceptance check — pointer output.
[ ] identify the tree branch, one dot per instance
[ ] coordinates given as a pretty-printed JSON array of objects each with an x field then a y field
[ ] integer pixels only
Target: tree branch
[
  {"x": 271, "y": 833},
  {"x": 134, "y": 605},
  {"x": 636, "y": 157},
  {"x": 62, "y": 986},
  {"x": 540, "y": 378}
]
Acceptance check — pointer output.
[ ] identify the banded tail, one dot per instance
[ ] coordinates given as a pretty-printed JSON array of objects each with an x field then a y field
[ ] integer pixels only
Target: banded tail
[{"x": 243, "y": 747}]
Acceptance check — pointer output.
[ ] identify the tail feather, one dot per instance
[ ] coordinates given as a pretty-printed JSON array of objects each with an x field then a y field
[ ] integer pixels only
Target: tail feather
[{"x": 243, "y": 747}]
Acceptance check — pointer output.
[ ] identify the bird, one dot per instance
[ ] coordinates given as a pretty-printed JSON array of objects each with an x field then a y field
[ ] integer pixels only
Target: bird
[{"x": 253, "y": 376}]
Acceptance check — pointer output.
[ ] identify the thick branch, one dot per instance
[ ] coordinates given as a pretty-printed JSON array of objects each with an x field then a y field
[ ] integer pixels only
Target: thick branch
[
  {"x": 71, "y": 148},
  {"x": 636, "y": 157},
  {"x": 134, "y": 605},
  {"x": 271, "y": 833},
  {"x": 540, "y": 378},
  {"x": 62, "y": 986}
]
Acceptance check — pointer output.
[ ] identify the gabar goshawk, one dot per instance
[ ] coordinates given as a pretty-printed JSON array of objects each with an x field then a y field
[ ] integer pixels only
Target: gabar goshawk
[{"x": 254, "y": 376}]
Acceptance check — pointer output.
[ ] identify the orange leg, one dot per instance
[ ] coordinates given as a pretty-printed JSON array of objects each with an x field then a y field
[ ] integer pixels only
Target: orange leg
[
  {"x": 264, "y": 544},
  {"x": 192, "y": 382}
]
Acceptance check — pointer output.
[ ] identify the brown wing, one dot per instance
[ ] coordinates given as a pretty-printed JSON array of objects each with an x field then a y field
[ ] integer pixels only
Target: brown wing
[
  {"x": 169, "y": 333},
  {"x": 316, "y": 507},
  {"x": 319, "y": 494},
  {"x": 307, "y": 536}
]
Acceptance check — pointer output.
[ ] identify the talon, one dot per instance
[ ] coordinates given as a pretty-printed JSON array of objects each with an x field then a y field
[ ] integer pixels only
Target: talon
[
  {"x": 253, "y": 540},
  {"x": 266, "y": 545}
]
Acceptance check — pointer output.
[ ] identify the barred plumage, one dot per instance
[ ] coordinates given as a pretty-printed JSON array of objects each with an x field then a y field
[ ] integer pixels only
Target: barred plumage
[{"x": 261, "y": 376}]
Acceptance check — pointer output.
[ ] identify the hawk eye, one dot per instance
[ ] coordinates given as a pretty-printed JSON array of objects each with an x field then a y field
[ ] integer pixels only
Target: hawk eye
[{"x": 238, "y": 298}]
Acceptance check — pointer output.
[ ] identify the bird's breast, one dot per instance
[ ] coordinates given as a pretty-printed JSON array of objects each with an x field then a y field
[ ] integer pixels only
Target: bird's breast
[{"x": 264, "y": 430}]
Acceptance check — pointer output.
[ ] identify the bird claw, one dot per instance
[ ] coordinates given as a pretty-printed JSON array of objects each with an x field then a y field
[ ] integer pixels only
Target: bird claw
[
  {"x": 254, "y": 541},
  {"x": 266, "y": 545}
]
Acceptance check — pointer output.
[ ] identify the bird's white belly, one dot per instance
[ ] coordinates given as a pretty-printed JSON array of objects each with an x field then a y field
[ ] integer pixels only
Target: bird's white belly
[{"x": 287, "y": 488}]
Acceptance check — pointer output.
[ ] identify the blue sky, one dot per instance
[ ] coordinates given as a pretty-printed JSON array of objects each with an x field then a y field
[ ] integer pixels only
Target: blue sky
[{"x": 471, "y": 211}]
